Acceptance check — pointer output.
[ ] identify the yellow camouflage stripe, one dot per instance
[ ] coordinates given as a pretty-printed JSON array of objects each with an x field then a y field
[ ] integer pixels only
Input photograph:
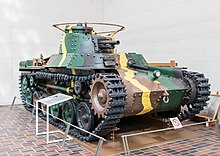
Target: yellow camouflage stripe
[
  {"x": 72, "y": 82},
  {"x": 73, "y": 73},
  {"x": 129, "y": 74},
  {"x": 68, "y": 90},
  {"x": 70, "y": 28},
  {"x": 63, "y": 46}
]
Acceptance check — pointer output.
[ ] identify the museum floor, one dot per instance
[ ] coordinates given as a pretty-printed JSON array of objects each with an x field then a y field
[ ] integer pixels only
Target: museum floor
[{"x": 17, "y": 137}]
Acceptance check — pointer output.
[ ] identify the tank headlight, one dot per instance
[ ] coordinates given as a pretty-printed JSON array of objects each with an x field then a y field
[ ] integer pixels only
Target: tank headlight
[{"x": 156, "y": 74}]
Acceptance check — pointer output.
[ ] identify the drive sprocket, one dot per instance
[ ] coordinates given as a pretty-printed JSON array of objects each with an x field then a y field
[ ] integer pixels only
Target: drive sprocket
[{"x": 99, "y": 95}]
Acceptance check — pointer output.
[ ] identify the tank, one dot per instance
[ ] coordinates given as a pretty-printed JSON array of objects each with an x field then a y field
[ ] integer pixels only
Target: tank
[{"x": 107, "y": 86}]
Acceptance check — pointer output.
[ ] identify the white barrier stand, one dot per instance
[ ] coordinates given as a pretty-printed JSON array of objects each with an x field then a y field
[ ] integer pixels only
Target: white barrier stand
[{"x": 50, "y": 101}]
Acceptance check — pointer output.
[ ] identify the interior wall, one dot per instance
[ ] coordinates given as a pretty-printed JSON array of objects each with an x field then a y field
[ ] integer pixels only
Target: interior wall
[
  {"x": 26, "y": 32},
  {"x": 187, "y": 31}
]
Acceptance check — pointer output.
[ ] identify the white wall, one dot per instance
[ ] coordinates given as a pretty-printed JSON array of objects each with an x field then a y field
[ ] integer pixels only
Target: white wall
[
  {"x": 187, "y": 31},
  {"x": 25, "y": 32}
]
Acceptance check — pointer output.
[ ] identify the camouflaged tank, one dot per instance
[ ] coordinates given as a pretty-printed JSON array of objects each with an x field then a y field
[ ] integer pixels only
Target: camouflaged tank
[{"x": 107, "y": 86}]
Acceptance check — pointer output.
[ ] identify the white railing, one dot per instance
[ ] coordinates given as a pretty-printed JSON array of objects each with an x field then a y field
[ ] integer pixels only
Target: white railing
[{"x": 125, "y": 137}]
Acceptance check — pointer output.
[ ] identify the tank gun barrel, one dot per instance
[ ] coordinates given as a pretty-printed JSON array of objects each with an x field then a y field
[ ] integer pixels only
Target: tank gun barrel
[{"x": 117, "y": 42}]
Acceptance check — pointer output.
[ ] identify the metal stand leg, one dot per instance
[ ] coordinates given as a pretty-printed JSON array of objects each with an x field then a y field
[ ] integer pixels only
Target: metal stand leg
[
  {"x": 99, "y": 147},
  {"x": 13, "y": 102},
  {"x": 123, "y": 140},
  {"x": 36, "y": 117},
  {"x": 217, "y": 127},
  {"x": 65, "y": 136},
  {"x": 32, "y": 114},
  {"x": 125, "y": 144},
  {"x": 47, "y": 124}
]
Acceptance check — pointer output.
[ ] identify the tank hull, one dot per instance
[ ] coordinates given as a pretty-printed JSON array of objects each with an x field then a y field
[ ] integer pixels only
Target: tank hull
[{"x": 146, "y": 94}]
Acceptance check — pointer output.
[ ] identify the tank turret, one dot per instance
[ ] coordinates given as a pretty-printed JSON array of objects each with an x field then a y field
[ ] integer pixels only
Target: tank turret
[{"x": 81, "y": 48}]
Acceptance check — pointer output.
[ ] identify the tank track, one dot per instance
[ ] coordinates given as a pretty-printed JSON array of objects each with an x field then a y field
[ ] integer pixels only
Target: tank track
[
  {"x": 201, "y": 97},
  {"x": 113, "y": 114}
]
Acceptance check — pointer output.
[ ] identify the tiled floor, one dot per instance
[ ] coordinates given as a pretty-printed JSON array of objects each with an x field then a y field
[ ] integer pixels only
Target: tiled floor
[
  {"x": 18, "y": 138},
  {"x": 207, "y": 145}
]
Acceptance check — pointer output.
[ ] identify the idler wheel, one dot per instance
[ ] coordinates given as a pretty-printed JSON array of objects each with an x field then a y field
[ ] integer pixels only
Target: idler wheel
[
  {"x": 99, "y": 96},
  {"x": 85, "y": 117},
  {"x": 69, "y": 111}
]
